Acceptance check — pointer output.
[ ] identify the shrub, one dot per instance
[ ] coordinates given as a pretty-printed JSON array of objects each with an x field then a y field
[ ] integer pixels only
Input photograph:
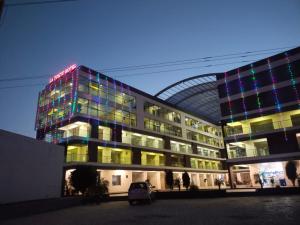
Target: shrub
[
  {"x": 169, "y": 179},
  {"x": 219, "y": 182},
  {"x": 291, "y": 171},
  {"x": 186, "y": 181},
  {"x": 194, "y": 188},
  {"x": 83, "y": 177}
]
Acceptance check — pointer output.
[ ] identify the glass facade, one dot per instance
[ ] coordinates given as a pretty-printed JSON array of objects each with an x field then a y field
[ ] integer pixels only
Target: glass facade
[
  {"x": 142, "y": 140},
  {"x": 114, "y": 155},
  {"x": 105, "y": 112},
  {"x": 161, "y": 127},
  {"x": 87, "y": 95},
  {"x": 55, "y": 102},
  {"x": 251, "y": 148},
  {"x": 162, "y": 112}
]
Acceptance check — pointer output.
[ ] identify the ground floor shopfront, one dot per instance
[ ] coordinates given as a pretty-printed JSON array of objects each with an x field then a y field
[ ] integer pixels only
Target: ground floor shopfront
[
  {"x": 272, "y": 174},
  {"x": 120, "y": 180}
]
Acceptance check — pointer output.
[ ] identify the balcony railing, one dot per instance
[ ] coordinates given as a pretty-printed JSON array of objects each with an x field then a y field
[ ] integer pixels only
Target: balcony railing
[
  {"x": 115, "y": 160},
  {"x": 77, "y": 158},
  {"x": 248, "y": 153},
  {"x": 140, "y": 142},
  {"x": 148, "y": 163}
]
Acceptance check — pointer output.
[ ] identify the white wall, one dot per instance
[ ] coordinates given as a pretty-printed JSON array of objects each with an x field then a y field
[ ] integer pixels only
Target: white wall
[{"x": 29, "y": 169}]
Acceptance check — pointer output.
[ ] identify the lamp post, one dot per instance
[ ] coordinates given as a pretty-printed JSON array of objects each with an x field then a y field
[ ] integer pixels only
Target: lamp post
[{"x": 1, "y": 8}]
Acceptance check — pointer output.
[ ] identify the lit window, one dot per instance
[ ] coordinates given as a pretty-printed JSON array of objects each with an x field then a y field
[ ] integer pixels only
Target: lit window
[{"x": 116, "y": 180}]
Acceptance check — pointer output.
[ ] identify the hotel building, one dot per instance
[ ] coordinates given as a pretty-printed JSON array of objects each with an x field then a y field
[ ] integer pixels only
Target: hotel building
[
  {"x": 127, "y": 134},
  {"x": 260, "y": 114},
  {"x": 240, "y": 125}
]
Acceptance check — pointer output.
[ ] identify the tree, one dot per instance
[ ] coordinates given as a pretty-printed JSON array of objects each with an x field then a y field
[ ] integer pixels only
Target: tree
[
  {"x": 219, "y": 182},
  {"x": 100, "y": 191},
  {"x": 169, "y": 179},
  {"x": 186, "y": 181},
  {"x": 177, "y": 183},
  {"x": 291, "y": 171},
  {"x": 84, "y": 177}
]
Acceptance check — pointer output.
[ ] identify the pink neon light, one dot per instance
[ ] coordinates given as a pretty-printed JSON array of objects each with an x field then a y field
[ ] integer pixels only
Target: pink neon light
[{"x": 62, "y": 73}]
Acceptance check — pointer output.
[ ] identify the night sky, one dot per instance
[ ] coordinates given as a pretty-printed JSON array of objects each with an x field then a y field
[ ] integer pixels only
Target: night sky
[{"x": 41, "y": 40}]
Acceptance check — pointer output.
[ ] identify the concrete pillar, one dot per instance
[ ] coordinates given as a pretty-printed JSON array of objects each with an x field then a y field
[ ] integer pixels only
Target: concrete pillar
[
  {"x": 116, "y": 133},
  {"x": 168, "y": 159},
  {"x": 92, "y": 152},
  {"x": 231, "y": 176},
  {"x": 136, "y": 156},
  {"x": 167, "y": 142},
  {"x": 94, "y": 131},
  {"x": 187, "y": 161},
  {"x": 194, "y": 148}
]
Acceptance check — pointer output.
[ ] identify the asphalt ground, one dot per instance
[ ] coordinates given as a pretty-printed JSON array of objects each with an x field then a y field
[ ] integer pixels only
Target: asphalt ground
[{"x": 283, "y": 210}]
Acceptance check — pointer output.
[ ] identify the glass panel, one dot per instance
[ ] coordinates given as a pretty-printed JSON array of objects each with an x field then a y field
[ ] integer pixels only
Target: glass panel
[
  {"x": 77, "y": 153},
  {"x": 141, "y": 140},
  {"x": 152, "y": 159},
  {"x": 262, "y": 126},
  {"x": 114, "y": 155}
]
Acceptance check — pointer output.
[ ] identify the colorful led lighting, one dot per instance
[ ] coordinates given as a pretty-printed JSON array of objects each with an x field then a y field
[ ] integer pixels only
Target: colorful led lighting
[
  {"x": 277, "y": 103},
  {"x": 258, "y": 102},
  {"x": 293, "y": 80},
  {"x": 276, "y": 99}
]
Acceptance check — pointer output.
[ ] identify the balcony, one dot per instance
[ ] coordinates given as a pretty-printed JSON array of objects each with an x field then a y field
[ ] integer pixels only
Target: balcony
[
  {"x": 251, "y": 148},
  {"x": 259, "y": 127}
]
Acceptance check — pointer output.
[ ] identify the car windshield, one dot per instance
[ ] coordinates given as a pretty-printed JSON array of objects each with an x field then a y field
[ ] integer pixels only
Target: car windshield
[{"x": 138, "y": 186}]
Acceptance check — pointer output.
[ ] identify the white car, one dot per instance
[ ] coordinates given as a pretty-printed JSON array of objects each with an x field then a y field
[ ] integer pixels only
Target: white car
[{"x": 140, "y": 191}]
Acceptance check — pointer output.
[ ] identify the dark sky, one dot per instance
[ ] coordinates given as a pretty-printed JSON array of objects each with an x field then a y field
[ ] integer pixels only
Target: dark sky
[{"x": 43, "y": 39}]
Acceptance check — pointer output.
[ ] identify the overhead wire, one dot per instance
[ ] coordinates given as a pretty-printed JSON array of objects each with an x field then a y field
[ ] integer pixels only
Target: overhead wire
[
  {"x": 36, "y": 3},
  {"x": 194, "y": 59},
  {"x": 211, "y": 59},
  {"x": 163, "y": 64},
  {"x": 154, "y": 72}
]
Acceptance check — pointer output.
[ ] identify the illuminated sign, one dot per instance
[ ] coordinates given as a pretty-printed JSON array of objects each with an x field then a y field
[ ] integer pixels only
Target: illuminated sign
[{"x": 62, "y": 73}]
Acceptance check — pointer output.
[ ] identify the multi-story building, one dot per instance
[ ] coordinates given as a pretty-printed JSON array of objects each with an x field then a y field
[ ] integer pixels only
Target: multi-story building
[
  {"x": 127, "y": 134},
  {"x": 260, "y": 112}
]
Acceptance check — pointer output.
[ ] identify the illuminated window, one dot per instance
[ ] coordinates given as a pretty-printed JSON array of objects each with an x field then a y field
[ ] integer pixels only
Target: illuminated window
[
  {"x": 78, "y": 128},
  {"x": 141, "y": 140},
  {"x": 162, "y": 112},
  {"x": 152, "y": 159},
  {"x": 104, "y": 133},
  {"x": 114, "y": 155},
  {"x": 116, "y": 180},
  {"x": 181, "y": 147},
  {"x": 77, "y": 153}
]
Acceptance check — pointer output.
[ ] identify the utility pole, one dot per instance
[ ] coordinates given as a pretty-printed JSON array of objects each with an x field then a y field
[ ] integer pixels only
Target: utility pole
[{"x": 1, "y": 8}]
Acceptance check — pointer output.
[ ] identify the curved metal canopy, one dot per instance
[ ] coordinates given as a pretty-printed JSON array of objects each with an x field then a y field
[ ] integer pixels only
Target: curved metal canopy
[{"x": 197, "y": 95}]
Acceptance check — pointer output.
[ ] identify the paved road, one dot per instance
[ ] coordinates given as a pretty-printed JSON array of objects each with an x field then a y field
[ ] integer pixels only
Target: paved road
[{"x": 283, "y": 210}]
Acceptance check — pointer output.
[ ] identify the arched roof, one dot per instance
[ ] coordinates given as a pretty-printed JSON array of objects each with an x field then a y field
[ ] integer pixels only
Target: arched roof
[{"x": 197, "y": 95}]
